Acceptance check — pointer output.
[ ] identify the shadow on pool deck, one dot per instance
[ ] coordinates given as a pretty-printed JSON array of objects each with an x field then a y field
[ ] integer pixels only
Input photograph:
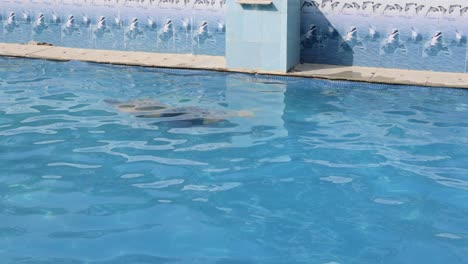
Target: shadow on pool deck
[{"x": 218, "y": 63}]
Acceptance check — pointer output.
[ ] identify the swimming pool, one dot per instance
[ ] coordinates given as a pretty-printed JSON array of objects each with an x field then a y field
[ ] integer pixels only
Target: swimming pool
[{"x": 292, "y": 171}]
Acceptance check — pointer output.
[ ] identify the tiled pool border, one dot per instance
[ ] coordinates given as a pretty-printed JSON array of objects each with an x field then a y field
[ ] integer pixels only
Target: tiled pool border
[{"x": 218, "y": 63}]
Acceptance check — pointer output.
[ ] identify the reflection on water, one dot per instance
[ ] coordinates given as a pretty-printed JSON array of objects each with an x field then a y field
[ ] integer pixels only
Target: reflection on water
[{"x": 317, "y": 171}]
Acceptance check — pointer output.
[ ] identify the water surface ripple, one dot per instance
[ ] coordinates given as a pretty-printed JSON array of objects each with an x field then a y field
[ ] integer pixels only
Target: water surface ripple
[{"x": 260, "y": 169}]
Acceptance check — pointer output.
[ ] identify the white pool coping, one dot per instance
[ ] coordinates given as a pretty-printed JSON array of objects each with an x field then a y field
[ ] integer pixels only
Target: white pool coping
[{"x": 218, "y": 63}]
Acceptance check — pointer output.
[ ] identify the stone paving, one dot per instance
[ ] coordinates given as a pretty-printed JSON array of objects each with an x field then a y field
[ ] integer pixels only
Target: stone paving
[{"x": 218, "y": 63}]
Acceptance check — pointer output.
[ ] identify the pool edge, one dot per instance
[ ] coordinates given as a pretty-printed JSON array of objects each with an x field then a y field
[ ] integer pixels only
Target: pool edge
[{"x": 218, "y": 63}]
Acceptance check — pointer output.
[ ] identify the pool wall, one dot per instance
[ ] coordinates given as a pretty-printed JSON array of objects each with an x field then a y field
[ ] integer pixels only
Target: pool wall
[
  {"x": 164, "y": 26},
  {"x": 428, "y": 35},
  {"x": 420, "y": 35}
]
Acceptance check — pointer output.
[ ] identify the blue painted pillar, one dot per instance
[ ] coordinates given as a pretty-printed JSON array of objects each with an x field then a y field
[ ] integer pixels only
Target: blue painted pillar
[{"x": 263, "y": 37}]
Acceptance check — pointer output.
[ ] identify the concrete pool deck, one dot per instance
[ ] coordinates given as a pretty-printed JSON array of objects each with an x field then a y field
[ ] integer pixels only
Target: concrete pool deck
[{"x": 218, "y": 63}]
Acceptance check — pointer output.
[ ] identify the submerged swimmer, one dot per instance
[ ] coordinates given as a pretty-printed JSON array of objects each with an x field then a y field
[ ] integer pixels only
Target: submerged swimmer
[
  {"x": 137, "y": 106},
  {"x": 180, "y": 115}
]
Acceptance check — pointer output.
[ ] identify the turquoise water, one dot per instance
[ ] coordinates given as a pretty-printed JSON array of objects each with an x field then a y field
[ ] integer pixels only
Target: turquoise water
[{"x": 295, "y": 171}]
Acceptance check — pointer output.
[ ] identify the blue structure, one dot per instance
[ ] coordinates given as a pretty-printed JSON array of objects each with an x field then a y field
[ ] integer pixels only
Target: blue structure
[
  {"x": 189, "y": 26},
  {"x": 263, "y": 36}
]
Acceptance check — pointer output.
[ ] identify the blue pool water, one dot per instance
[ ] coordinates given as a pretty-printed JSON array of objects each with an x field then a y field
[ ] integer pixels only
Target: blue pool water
[{"x": 297, "y": 170}]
